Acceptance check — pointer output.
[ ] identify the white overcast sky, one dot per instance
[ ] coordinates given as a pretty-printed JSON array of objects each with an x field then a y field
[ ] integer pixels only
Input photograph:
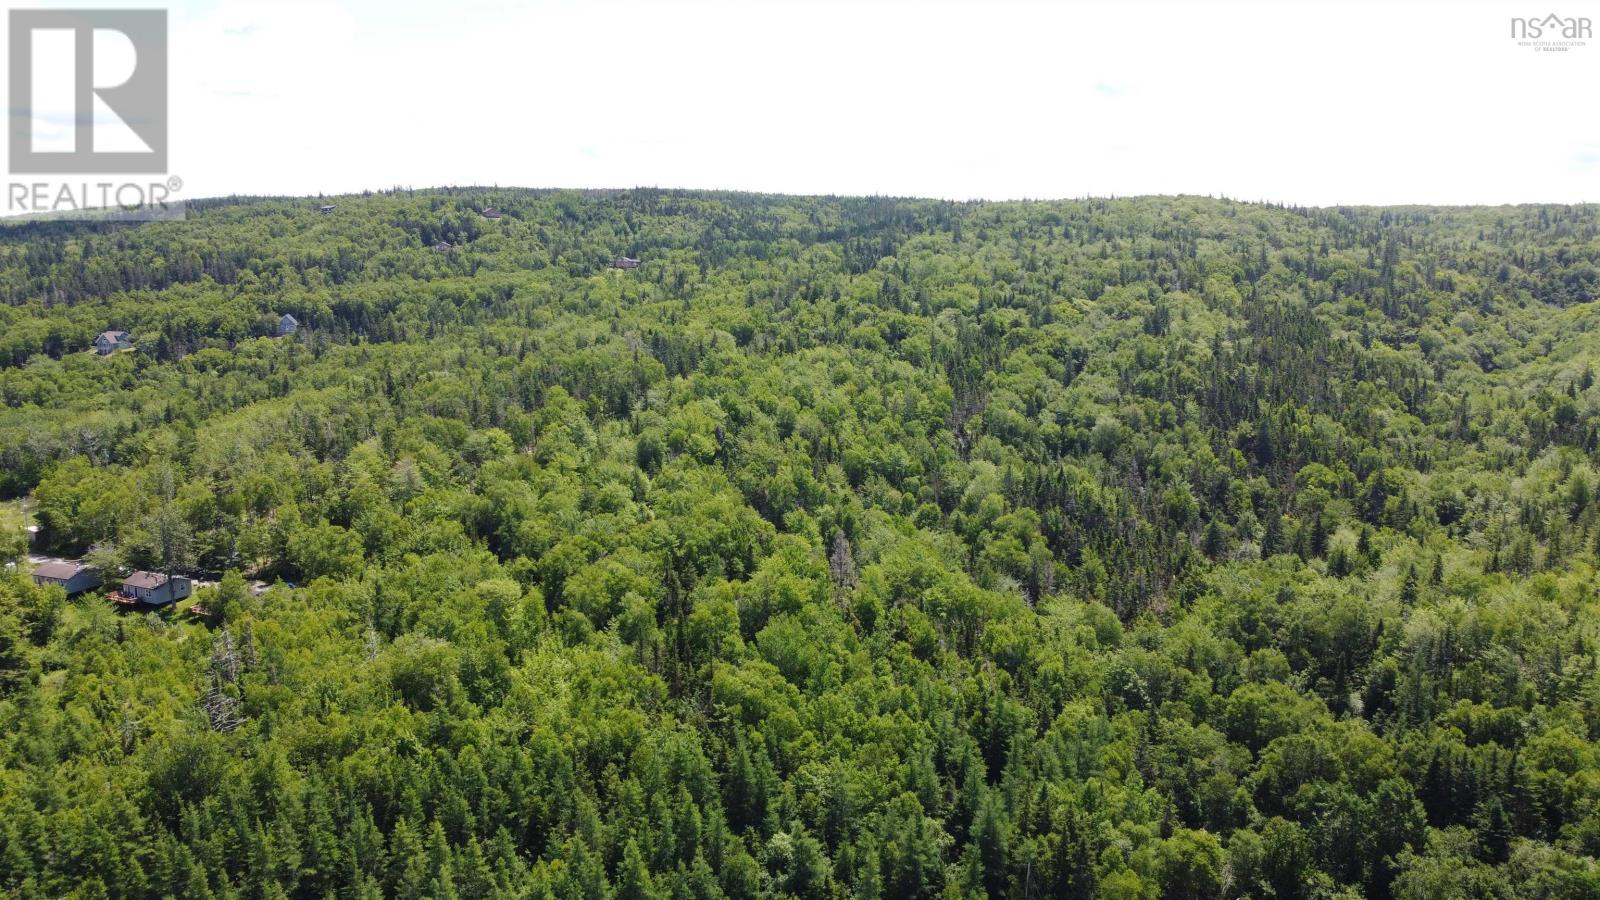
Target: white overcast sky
[{"x": 1301, "y": 102}]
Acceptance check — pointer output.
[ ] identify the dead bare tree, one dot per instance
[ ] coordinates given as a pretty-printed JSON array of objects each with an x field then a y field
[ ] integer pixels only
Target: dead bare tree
[
  {"x": 225, "y": 658},
  {"x": 842, "y": 565},
  {"x": 247, "y": 646},
  {"x": 221, "y": 708}
]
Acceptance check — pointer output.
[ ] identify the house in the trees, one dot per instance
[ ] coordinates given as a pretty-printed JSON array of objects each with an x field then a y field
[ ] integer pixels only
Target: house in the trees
[
  {"x": 152, "y": 589},
  {"x": 74, "y": 576},
  {"x": 325, "y": 208},
  {"x": 287, "y": 325},
  {"x": 491, "y": 213},
  {"x": 441, "y": 246},
  {"x": 109, "y": 342},
  {"x": 623, "y": 262}
]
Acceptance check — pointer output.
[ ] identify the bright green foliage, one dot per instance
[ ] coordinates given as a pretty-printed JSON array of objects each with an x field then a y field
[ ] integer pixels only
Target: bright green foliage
[{"x": 846, "y": 548}]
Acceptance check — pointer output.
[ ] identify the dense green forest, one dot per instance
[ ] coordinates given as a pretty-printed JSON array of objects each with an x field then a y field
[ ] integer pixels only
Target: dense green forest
[{"x": 1164, "y": 547}]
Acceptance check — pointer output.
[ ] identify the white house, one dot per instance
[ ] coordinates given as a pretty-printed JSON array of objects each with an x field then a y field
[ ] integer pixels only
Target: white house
[{"x": 109, "y": 342}]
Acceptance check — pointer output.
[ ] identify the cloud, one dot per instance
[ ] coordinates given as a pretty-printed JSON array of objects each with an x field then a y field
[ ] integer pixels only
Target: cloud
[{"x": 945, "y": 99}]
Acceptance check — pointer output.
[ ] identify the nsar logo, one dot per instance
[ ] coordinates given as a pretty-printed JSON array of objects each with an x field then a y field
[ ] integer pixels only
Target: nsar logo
[{"x": 1552, "y": 32}]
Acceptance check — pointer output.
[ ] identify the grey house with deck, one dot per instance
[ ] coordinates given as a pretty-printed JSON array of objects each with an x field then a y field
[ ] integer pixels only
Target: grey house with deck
[{"x": 156, "y": 588}]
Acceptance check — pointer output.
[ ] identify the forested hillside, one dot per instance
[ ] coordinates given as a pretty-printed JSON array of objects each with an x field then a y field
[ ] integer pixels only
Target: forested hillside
[{"x": 1162, "y": 547}]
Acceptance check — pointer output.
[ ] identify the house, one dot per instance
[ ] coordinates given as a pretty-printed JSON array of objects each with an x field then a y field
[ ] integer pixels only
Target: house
[
  {"x": 326, "y": 208},
  {"x": 442, "y": 246},
  {"x": 110, "y": 342},
  {"x": 152, "y": 589},
  {"x": 623, "y": 262},
  {"x": 74, "y": 576},
  {"x": 491, "y": 213},
  {"x": 287, "y": 325}
]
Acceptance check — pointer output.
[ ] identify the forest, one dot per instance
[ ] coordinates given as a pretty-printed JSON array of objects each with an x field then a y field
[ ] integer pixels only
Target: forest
[{"x": 1165, "y": 547}]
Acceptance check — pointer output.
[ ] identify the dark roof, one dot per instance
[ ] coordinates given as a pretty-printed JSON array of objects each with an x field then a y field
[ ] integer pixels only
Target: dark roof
[
  {"x": 146, "y": 580},
  {"x": 61, "y": 570},
  {"x": 288, "y": 318}
]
